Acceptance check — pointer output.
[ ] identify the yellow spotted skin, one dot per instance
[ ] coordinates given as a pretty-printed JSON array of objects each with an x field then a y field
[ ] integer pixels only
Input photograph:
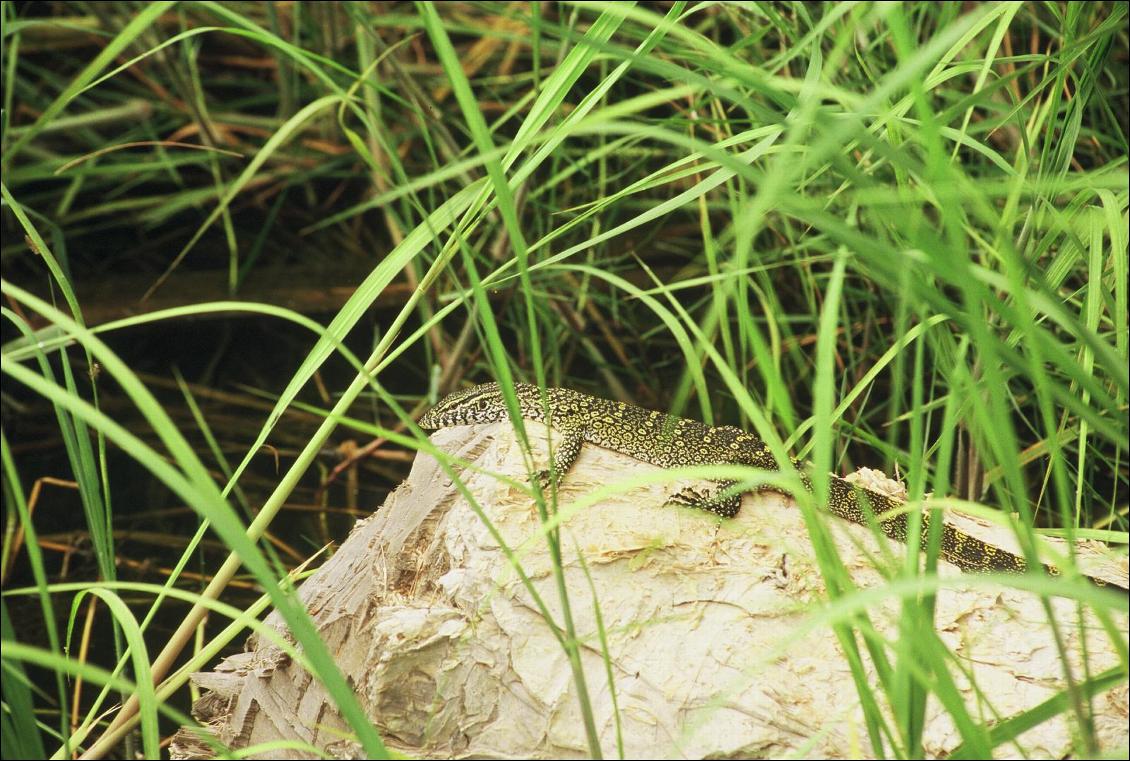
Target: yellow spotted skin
[{"x": 668, "y": 441}]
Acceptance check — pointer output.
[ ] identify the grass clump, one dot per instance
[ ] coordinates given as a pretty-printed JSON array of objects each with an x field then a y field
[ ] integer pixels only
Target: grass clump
[{"x": 875, "y": 234}]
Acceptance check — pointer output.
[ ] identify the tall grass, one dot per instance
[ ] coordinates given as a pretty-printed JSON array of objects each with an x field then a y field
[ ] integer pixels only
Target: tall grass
[{"x": 872, "y": 233}]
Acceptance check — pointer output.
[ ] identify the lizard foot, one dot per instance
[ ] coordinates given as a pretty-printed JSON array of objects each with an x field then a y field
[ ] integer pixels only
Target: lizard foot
[
  {"x": 725, "y": 506},
  {"x": 544, "y": 479}
]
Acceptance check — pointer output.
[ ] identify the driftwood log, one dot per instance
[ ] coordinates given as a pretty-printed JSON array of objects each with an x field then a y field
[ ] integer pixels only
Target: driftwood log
[{"x": 713, "y": 639}]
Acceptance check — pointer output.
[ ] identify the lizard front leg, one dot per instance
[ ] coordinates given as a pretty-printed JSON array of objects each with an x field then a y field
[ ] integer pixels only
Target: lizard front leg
[{"x": 566, "y": 447}]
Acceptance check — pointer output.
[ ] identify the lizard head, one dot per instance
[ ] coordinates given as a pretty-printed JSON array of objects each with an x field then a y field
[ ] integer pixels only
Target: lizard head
[
  {"x": 486, "y": 403},
  {"x": 478, "y": 404}
]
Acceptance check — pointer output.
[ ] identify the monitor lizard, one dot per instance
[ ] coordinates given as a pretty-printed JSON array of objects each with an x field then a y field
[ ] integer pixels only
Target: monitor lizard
[{"x": 668, "y": 441}]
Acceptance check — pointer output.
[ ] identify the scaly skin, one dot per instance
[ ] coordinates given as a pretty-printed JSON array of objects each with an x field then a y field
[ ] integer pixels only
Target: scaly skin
[{"x": 668, "y": 441}]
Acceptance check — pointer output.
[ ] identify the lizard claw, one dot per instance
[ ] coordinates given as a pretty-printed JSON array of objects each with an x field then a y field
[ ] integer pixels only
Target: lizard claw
[{"x": 544, "y": 480}]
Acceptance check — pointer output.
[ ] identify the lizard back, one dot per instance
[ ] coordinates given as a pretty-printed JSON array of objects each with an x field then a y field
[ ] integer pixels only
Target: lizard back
[{"x": 654, "y": 437}]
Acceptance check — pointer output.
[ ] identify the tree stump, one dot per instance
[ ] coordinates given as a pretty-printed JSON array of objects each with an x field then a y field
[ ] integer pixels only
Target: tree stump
[{"x": 715, "y": 640}]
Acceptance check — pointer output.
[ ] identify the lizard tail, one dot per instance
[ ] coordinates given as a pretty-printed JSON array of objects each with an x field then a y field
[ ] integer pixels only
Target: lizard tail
[{"x": 963, "y": 550}]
